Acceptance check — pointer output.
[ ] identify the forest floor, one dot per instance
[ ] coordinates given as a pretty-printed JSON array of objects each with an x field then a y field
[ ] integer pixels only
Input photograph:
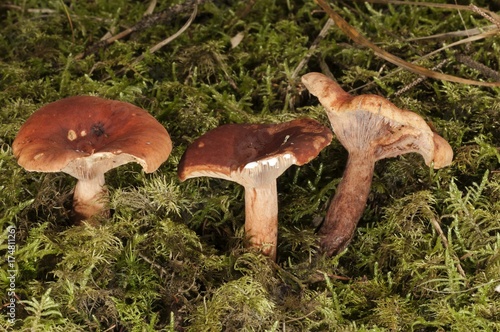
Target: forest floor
[{"x": 172, "y": 255}]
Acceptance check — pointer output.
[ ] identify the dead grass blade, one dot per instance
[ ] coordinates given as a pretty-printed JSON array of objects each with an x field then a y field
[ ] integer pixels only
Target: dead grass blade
[
  {"x": 146, "y": 22},
  {"x": 171, "y": 38},
  {"x": 312, "y": 48},
  {"x": 481, "y": 11},
  {"x": 460, "y": 33},
  {"x": 162, "y": 43}
]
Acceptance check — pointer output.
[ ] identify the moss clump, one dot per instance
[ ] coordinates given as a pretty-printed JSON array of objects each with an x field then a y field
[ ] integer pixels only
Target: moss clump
[{"x": 171, "y": 257}]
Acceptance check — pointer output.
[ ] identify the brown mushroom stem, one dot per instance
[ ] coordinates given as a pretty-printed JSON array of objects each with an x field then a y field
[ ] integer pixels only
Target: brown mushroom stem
[
  {"x": 261, "y": 218},
  {"x": 348, "y": 204},
  {"x": 90, "y": 198}
]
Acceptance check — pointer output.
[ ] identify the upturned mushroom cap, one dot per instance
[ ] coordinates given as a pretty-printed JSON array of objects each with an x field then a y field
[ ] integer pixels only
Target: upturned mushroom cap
[
  {"x": 84, "y": 136},
  {"x": 252, "y": 154},
  {"x": 372, "y": 123}
]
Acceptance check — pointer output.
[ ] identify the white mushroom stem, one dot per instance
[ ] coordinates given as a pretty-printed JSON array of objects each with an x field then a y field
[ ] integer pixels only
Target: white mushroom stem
[
  {"x": 261, "y": 218},
  {"x": 89, "y": 198},
  {"x": 348, "y": 203}
]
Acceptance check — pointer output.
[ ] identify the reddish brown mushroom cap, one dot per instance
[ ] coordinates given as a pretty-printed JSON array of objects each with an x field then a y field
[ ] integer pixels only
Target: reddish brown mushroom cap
[
  {"x": 85, "y": 135},
  {"x": 239, "y": 152}
]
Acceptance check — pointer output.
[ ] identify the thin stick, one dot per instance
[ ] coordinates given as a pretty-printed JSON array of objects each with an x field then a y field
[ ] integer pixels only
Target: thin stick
[
  {"x": 163, "y": 272},
  {"x": 430, "y": 4},
  {"x": 419, "y": 80},
  {"x": 485, "y": 70},
  {"x": 460, "y": 33},
  {"x": 151, "y": 8},
  {"x": 462, "y": 41}
]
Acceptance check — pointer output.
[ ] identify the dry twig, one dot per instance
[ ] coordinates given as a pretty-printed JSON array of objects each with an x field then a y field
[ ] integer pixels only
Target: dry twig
[
  {"x": 485, "y": 70},
  {"x": 419, "y": 80},
  {"x": 151, "y": 8}
]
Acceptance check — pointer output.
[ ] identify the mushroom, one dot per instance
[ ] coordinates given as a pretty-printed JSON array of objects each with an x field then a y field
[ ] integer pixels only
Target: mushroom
[
  {"x": 371, "y": 128},
  {"x": 254, "y": 155},
  {"x": 86, "y": 136}
]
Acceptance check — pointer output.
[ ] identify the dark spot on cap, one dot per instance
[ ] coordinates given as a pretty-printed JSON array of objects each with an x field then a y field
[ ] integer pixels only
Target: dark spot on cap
[{"x": 98, "y": 129}]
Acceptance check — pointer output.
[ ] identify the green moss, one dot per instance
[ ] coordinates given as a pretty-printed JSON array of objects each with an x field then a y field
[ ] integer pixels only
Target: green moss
[{"x": 171, "y": 256}]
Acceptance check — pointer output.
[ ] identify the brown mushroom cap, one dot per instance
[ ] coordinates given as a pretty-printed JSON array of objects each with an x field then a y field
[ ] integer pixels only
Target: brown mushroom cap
[
  {"x": 371, "y": 123},
  {"x": 84, "y": 136},
  {"x": 443, "y": 154},
  {"x": 251, "y": 154}
]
